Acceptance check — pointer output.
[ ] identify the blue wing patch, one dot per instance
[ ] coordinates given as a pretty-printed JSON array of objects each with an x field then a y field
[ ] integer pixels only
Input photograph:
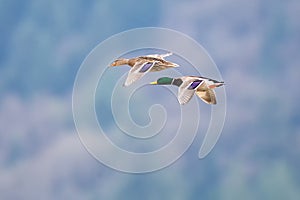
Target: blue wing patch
[
  {"x": 146, "y": 67},
  {"x": 194, "y": 84}
]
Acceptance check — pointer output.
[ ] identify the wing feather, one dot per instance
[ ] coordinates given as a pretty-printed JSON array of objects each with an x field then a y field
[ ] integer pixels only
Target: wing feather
[
  {"x": 138, "y": 71},
  {"x": 159, "y": 56},
  {"x": 185, "y": 94},
  {"x": 208, "y": 96}
]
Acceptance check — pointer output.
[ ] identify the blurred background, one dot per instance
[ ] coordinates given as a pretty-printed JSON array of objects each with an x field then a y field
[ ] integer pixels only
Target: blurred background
[{"x": 255, "y": 45}]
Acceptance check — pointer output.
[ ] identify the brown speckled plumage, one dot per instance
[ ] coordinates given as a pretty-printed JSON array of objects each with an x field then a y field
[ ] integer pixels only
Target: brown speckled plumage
[{"x": 137, "y": 71}]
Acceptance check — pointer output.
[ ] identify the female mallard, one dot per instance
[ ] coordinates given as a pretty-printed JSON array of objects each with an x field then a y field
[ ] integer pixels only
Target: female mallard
[
  {"x": 144, "y": 64},
  {"x": 188, "y": 85}
]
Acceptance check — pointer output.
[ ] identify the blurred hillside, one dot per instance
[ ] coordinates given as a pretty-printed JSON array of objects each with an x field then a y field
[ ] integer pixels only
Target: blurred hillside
[{"x": 255, "y": 45}]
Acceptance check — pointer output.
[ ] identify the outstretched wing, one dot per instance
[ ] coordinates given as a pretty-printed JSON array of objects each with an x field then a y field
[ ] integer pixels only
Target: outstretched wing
[
  {"x": 187, "y": 89},
  {"x": 138, "y": 71},
  {"x": 185, "y": 95},
  {"x": 208, "y": 96},
  {"x": 160, "y": 56}
]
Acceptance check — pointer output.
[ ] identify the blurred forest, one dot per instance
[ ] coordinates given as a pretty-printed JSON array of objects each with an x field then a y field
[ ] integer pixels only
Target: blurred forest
[{"x": 255, "y": 45}]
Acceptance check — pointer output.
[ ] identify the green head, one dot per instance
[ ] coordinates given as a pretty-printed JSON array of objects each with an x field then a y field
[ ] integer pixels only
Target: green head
[{"x": 163, "y": 81}]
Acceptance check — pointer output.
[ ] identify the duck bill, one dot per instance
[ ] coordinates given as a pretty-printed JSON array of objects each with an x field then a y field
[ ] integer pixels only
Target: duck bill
[
  {"x": 112, "y": 64},
  {"x": 154, "y": 83}
]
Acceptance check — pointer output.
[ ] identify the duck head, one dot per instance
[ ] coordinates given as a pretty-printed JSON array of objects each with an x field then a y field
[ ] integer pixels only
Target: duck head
[
  {"x": 119, "y": 61},
  {"x": 163, "y": 81}
]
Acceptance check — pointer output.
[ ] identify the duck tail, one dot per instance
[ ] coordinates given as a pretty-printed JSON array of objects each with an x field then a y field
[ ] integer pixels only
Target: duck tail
[{"x": 220, "y": 84}]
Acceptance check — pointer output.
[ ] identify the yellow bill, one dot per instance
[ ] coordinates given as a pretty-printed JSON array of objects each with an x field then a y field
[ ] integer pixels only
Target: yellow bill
[{"x": 154, "y": 83}]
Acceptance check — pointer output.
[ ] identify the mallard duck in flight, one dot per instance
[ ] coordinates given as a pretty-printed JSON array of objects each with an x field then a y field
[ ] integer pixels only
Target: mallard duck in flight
[
  {"x": 144, "y": 64},
  {"x": 188, "y": 85}
]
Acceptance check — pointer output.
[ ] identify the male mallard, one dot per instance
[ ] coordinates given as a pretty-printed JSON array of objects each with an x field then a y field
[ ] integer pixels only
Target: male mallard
[
  {"x": 144, "y": 64},
  {"x": 188, "y": 85}
]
